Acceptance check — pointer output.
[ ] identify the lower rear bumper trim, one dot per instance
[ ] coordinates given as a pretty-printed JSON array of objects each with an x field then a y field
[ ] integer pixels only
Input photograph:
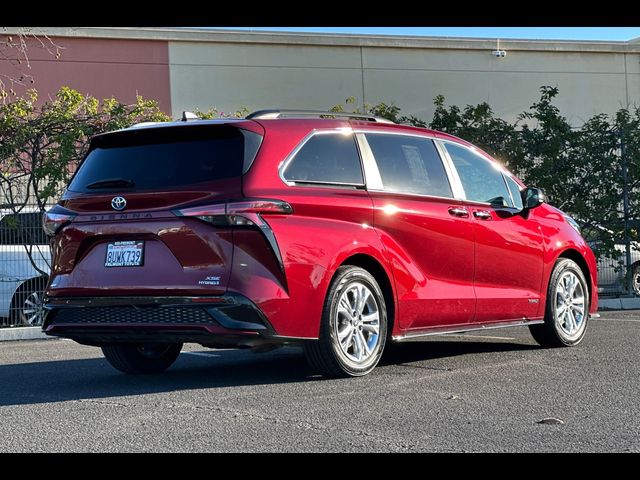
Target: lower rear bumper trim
[{"x": 129, "y": 317}]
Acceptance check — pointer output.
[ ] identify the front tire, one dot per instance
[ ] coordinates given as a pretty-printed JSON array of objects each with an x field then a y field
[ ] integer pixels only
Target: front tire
[
  {"x": 567, "y": 308},
  {"x": 353, "y": 328},
  {"x": 142, "y": 358}
]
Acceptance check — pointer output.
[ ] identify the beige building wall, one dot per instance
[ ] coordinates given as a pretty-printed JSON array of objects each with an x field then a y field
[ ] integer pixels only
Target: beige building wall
[
  {"x": 228, "y": 76},
  {"x": 592, "y": 77},
  {"x": 257, "y": 70}
]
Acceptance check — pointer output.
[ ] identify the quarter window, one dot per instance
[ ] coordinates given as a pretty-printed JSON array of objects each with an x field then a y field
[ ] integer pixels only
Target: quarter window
[
  {"x": 481, "y": 179},
  {"x": 409, "y": 164},
  {"x": 516, "y": 195},
  {"x": 328, "y": 158}
]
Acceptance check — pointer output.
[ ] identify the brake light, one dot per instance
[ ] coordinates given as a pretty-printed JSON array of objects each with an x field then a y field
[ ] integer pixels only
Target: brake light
[
  {"x": 242, "y": 213},
  {"x": 56, "y": 218},
  {"x": 245, "y": 212}
]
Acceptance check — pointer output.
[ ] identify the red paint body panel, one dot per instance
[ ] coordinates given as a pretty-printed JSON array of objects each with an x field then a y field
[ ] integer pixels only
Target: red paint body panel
[
  {"x": 506, "y": 246},
  {"x": 443, "y": 270},
  {"x": 432, "y": 258},
  {"x": 179, "y": 253},
  {"x": 560, "y": 239}
]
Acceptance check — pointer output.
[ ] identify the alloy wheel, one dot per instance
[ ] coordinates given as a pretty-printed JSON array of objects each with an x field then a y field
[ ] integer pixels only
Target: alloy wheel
[
  {"x": 570, "y": 304},
  {"x": 357, "y": 323},
  {"x": 32, "y": 309}
]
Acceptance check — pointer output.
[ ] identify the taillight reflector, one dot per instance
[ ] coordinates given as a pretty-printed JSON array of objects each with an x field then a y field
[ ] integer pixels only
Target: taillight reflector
[
  {"x": 56, "y": 218},
  {"x": 245, "y": 212}
]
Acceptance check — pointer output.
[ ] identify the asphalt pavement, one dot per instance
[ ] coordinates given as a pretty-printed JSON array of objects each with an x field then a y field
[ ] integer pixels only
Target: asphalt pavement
[{"x": 482, "y": 392}]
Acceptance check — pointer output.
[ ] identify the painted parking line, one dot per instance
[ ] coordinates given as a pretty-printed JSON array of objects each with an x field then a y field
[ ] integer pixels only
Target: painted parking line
[{"x": 632, "y": 320}]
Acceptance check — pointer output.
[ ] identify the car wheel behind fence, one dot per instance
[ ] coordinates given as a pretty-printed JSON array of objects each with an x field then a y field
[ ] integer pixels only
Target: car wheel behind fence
[{"x": 26, "y": 306}]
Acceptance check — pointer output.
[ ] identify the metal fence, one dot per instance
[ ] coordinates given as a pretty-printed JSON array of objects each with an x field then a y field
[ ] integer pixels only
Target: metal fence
[
  {"x": 615, "y": 279},
  {"x": 25, "y": 261}
]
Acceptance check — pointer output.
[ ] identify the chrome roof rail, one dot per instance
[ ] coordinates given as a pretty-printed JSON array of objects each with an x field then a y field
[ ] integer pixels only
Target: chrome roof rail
[
  {"x": 273, "y": 114},
  {"x": 146, "y": 124}
]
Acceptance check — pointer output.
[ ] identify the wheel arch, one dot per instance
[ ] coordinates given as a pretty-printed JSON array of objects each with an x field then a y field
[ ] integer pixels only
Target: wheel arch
[
  {"x": 577, "y": 257},
  {"x": 375, "y": 268}
]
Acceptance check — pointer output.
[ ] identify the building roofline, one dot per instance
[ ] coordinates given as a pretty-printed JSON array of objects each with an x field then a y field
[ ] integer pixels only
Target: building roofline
[{"x": 331, "y": 39}]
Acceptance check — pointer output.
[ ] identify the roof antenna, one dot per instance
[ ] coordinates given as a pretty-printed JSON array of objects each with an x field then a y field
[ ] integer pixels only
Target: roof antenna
[{"x": 186, "y": 116}]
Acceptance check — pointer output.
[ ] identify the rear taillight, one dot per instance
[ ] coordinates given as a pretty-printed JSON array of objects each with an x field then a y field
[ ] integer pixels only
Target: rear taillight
[
  {"x": 56, "y": 218},
  {"x": 241, "y": 213}
]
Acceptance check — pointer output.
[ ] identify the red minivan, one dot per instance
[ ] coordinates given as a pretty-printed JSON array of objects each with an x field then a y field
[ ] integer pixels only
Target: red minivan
[{"x": 339, "y": 232}]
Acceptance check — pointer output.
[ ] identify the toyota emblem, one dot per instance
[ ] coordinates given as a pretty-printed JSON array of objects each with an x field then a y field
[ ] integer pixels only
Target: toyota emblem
[{"x": 118, "y": 203}]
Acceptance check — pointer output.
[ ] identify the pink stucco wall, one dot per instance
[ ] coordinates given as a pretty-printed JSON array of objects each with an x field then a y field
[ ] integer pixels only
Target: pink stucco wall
[{"x": 102, "y": 68}]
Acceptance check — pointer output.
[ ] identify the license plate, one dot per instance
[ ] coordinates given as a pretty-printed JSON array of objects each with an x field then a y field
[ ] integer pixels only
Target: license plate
[{"x": 125, "y": 254}]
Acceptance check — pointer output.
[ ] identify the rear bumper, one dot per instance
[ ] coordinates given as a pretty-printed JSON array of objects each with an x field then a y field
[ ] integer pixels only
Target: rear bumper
[{"x": 229, "y": 320}]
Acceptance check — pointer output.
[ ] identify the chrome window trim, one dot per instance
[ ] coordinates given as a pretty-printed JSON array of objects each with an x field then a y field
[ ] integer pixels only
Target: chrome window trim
[
  {"x": 361, "y": 133},
  {"x": 372, "y": 176},
  {"x": 320, "y": 183},
  {"x": 509, "y": 176},
  {"x": 500, "y": 170},
  {"x": 452, "y": 173},
  {"x": 344, "y": 131},
  {"x": 411, "y": 194}
]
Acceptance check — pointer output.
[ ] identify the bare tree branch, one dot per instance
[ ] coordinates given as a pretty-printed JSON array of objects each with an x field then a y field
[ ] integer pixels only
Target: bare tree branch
[{"x": 14, "y": 50}]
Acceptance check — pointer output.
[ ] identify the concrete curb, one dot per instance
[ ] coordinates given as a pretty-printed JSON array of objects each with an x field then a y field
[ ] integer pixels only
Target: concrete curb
[
  {"x": 22, "y": 333},
  {"x": 619, "y": 303}
]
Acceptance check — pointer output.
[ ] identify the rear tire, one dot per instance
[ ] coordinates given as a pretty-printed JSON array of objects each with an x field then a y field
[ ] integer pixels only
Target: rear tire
[
  {"x": 142, "y": 358},
  {"x": 353, "y": 328},
  {"x": 567, "y": 308}
]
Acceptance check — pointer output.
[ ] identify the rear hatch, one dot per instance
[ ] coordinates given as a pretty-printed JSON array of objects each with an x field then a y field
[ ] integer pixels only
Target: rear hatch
[{"x": 126, "y": 235}]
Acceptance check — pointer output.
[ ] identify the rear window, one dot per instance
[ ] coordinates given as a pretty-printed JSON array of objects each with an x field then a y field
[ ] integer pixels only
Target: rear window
[
  {"x": 151, "y": 159},
  {"x": 328, "y": 158}
]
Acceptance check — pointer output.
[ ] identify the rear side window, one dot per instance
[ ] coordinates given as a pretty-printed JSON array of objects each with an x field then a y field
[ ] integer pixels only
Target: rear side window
[
  {"x": 326, "y": 158},
  {"x": 481, "y": 179},
  {"x": 22, "y": 229},
  {"x": 409, "y": 164},
  {"x": 151, "y": 159}
]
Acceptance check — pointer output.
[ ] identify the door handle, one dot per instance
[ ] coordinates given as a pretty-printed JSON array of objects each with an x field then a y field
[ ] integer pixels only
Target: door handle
[
  {"x": 482, "y": 214},
  {"x": 458, "y": 212}
]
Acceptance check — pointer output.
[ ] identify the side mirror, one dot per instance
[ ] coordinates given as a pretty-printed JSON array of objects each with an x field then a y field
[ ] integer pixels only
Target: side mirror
[{"x": 533, "y": 197}]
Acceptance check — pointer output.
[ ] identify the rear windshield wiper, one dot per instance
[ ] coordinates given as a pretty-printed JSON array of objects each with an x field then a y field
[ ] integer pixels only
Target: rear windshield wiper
[{"x": 112, "y": 182}]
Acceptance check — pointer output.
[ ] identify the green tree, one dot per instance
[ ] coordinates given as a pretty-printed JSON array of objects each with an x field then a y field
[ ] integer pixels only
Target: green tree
[
  {"x": 40, "y": 147},
  {"x": 579, "y": 168}
]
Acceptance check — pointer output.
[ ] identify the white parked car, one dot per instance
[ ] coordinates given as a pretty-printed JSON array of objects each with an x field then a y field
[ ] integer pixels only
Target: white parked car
[
  {"x": 611, "y": 276},
  {"x": 21, "y": 284},
  {"x": 611, "y": 271}
]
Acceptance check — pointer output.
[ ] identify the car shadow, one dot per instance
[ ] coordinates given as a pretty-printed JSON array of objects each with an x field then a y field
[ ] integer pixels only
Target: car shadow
[
  {"x": 433, "y": 349},
  {"x": 94, "y": 378}
]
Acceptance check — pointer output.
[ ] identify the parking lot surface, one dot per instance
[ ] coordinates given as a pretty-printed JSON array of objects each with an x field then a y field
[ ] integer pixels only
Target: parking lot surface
[{"x": 475, "y": 392}]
